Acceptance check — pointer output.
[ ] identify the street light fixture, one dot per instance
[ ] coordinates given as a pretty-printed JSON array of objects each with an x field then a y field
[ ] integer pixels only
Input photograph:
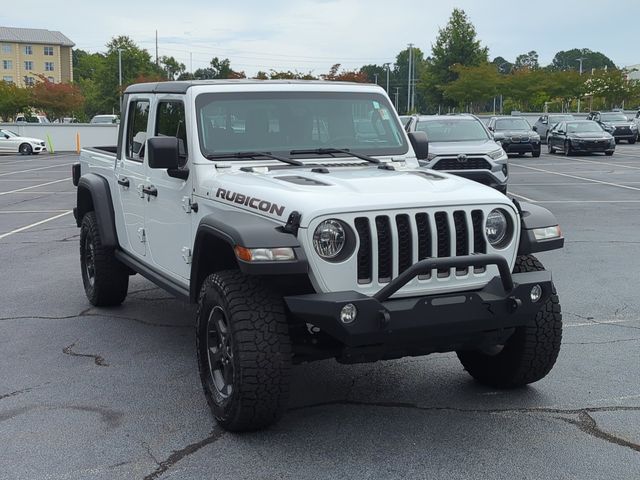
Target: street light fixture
[{"x": 388, "y": 66}]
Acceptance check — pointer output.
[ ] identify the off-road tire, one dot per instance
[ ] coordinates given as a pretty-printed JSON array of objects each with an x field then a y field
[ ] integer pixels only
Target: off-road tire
[
  {"x": 25, "y": 149},
  {"x": 532, "y": 350},
  {"x": 105, "y": 279},
  {"x": 260, "y": 346}
]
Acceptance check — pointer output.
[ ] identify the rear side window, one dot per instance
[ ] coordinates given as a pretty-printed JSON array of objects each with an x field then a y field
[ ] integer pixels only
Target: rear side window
[
  {"x": 137, "y": 119},
  {"x": 170, "y": 122}
]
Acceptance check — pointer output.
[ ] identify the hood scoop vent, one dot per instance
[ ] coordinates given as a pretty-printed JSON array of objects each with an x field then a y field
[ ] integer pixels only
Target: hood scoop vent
[
  {"x": 298, "y": 180},
  {"x": 427, "y": 175}
]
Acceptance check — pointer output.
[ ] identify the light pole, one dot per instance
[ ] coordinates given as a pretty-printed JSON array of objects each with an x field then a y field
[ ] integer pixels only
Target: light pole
[
  {"x": 409, "y": 78},
  {"x": 375, "y": 75},
  {"x": 580, "y": 60},
  {"x": 388, "y": 66},
  {"x": 396, "y": 94},
  {"x": 120, "y": 77}
]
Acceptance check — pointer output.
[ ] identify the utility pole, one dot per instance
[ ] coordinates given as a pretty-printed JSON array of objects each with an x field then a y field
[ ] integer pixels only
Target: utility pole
[
  {"x": 120, "y": 76},
  {"x": 409, "y": 78},
  {"x": 580, "y": 60},
  {"x": 387, "y": 65},
  {"x": 375, "y": 75},
  {"x": 191, "y": 62},
  {"x": 396, "y": 94},
  {"x": 157, "y": 61}
]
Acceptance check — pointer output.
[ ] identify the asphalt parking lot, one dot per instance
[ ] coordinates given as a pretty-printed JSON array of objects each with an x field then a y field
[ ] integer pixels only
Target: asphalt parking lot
[{"x": 95, "y": 393}]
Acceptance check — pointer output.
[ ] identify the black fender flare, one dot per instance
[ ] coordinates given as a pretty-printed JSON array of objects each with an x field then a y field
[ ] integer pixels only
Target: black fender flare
[
  {"x": 532, "y": 217},
  {"x": 231, "y": 228},
  {"x": 94, "y": 194}
]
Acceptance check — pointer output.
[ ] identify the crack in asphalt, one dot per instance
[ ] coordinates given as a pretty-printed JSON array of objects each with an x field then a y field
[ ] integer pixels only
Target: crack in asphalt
[
  {"x": 98, "y": 360},
  {"x": 17, "y": 392},
  {"x": 178, "y": 455},
  {"x": 585, "y": 422},
  {"x": 604, "y": 342}
]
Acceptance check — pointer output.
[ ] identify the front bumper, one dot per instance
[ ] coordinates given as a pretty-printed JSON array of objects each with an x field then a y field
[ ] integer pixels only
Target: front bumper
[
  {"x": 593, "y": 146},
  {"x": 432, "y": 322},
  {"x": 525, "y": 147}
]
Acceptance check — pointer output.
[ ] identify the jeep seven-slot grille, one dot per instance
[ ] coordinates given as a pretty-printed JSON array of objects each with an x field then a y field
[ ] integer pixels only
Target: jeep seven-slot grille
[
  {"x": 469, "y": 163},
  {"x": 438, "y": 234}
]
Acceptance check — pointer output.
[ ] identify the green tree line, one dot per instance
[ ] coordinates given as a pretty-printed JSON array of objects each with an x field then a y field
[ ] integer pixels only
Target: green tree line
[{"x": 457, "y": 76}]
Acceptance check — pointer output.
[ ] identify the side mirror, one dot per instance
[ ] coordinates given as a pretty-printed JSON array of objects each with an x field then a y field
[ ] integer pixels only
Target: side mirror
[
  {"x": 545, "y": 122},
  {"x": 561, "y": 132},
  {"x": 163, "y": 152},
  {"x": 6, "y": 136},
  {"x": 534, "y": 128},
  {"x": 420, "y": 144},
  {"x": 490, "y": 128}
]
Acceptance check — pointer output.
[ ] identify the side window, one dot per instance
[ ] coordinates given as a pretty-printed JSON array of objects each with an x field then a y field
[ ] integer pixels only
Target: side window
[
  {"x": 170, "y": 122},
  {"x": 137, "y": 119}
]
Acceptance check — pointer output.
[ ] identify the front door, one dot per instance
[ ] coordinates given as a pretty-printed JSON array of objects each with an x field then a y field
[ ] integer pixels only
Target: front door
[
  {"x": 131, "y": 176},
  {"x": 167, "y": 216}
]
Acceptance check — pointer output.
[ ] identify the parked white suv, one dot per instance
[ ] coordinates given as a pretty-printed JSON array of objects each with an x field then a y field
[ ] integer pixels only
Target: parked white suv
[{"x": 297, "y": 216}]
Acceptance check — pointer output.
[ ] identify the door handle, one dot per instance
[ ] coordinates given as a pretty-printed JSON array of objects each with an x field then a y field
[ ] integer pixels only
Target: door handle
[
  {"x": 150, "y": 190},
  {"x": 124, "y": 181}
]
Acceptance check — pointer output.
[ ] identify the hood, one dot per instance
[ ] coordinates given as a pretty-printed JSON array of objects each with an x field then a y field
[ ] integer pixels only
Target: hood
[
  {"x": 618, "y": 124},
  {"x": 29, "y": 139},
  {"x": 591, "y": 135},
  {"x": 516, "y": 133},
  {"x": 277, "y": 193},
  {"x": 481, "y": 147}
]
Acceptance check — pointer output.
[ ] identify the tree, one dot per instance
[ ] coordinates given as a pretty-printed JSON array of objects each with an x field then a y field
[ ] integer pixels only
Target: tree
[
  {"x": 503, "y": 65},
  {"x": 217, "y": 69},
  {"x": 567, "y": 60},
  {"x": 285, "y": 75},
  {"x": 456, "y": 44},
  {"x": 172, "y": 67},
  {"x": 527, "y": 61},
  {"x": 57, "y": 100},
  {"x": 375, "y": 71},
  {"x": 473, "y": 85},
  {"x": 344, "y": 76},
  {"x": 613, "y": 86},
  {"x": 13, "y": 100}
]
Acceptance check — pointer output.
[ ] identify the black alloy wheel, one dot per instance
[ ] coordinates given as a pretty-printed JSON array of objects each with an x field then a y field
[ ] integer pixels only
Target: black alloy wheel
[
  {"x": 220, "y": 351},
  {"x": 25, "y": 149}
]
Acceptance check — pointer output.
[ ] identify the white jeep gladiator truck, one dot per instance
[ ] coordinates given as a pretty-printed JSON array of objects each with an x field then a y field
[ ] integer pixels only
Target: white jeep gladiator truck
[{"x": 296, "y": 215}]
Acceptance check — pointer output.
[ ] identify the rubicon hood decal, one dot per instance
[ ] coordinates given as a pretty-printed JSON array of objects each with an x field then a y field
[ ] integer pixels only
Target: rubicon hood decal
[{"x": 251, "y": 202}]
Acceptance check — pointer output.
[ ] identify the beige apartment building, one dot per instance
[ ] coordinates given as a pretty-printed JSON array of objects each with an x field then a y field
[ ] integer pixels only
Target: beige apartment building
[{"x": 27, "y": 52}]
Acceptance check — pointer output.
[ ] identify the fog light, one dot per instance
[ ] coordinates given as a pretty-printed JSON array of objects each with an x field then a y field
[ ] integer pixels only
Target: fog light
[
  {"x": 348, "y": 313},
  {"x": 536, "y": 293}
]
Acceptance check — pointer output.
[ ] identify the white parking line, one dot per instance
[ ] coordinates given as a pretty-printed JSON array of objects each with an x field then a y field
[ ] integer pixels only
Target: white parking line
[
  {"x": 27, "y": 227},
  {"x": 34, "y": 186},
  {"x": 31, "y": 211},
  {"x": 627, "y": 187},
  {"x": 522, "y": 197},
  {"x": 34, "y": 169},
  {"x": 604, "y": 163}
]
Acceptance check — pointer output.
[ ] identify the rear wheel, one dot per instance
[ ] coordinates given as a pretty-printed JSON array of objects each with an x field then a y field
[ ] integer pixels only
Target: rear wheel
[
  {"x": 530, "y": 353},
  {"x": 244, "y": 351},
  {"x": 105, "y": 279},
  {"x": 25, "y": 149}
]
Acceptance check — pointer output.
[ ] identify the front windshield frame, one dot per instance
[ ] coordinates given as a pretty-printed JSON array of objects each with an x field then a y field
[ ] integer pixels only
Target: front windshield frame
[
  {"x": 595, "y": 128},
  {"x": 613, "y": 117},
  {"x": 481, "y": 127},
  {"x": 206, "y": 98},
  {"x": 523, "y": 124}
]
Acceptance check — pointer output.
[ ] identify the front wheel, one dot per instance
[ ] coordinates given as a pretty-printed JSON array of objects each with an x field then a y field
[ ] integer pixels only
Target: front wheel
[
  {"x": 25, "y": 149},
  {"x": 567, "y": 148},
  {"x": 530, "y": 353},
  {"x": 632, "y": 141},
  {"x": 550, "y": 149},
  {"x": 244, "y": 351},
  {"x": 608, "y": 153},
  {"x": 536, "y": 154}
]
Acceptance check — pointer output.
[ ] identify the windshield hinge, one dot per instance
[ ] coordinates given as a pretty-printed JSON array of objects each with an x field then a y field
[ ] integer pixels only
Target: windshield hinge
[
  {"x": 293, "y": 223},
  {"x": 186, "y": 255},
  {"x": 188, "y": 206}
]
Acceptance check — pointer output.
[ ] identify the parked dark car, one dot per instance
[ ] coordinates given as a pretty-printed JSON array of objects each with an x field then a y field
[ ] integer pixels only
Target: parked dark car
[
  {"x": 515, "y": 135},
  {"x": 617, "y": 124},
  {"x": 547, "y": 121},
  {"x": 580, "y": 136}
]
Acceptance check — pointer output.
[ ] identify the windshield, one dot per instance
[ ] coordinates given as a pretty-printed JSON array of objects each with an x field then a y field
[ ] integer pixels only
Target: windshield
[
  {"x": 453, "y": 130},
  {"x": 285, "y": 121},
  {"x": 613, "y": 117},
  {"x": 553, "y": 119},
  {"x": 512, "y": 124},
  {"x": 9, "y": 132},
  {"x": 583, "y": 127}
]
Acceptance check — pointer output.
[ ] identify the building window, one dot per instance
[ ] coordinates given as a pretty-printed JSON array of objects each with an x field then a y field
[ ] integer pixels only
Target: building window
[
  {"x": 28, "y": 50},
  {"x": 7, "y": 64},
  {"x": 28, "y": 65},
  {"x": 7, "y": 78},
  {"x": 48, "y": 51},
  {"x": 51, "y": 79},
  {"x": 30, "y": 81},
  {"x": 48, "y": 66},
  {"x": 6, "y": 48}
]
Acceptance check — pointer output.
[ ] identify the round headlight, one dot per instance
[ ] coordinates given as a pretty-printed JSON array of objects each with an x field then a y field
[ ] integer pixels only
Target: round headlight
[
  {"x": 329, "y": 239},
  {"x": 497, "y": 228}
]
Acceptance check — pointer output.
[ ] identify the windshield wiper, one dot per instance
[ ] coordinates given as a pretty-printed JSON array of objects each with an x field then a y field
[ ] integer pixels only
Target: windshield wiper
[
  {"x": 216, "y": 156},
  {"x": 330, "y": 151}
]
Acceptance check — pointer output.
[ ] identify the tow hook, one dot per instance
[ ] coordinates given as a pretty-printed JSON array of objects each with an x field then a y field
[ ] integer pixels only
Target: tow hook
[{"x": 513, "y": 304}]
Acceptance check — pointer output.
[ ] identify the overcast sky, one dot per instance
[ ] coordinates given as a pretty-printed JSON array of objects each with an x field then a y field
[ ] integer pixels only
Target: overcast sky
[{"x": 311, "y": 35}]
